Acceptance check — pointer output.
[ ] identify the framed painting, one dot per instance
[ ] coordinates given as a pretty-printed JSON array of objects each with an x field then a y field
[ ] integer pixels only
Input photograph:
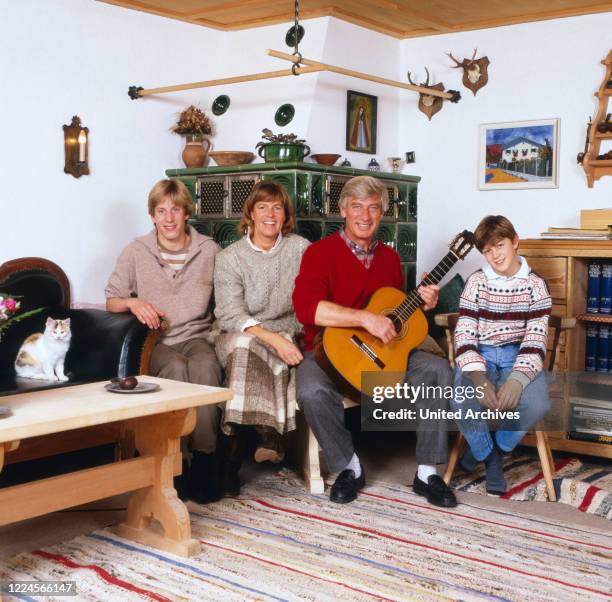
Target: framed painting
[
  {"x": 361, "y": 122},
  {"x": 519, "y": 154}
]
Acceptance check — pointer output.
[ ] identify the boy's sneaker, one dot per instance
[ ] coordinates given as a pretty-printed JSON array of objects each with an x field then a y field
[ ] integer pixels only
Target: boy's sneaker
[
  {"x": 467, "y": 462},
  {"x": 494, "y": 466}
]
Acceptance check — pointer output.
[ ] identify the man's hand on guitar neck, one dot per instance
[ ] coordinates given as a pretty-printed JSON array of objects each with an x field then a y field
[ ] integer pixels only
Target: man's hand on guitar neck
[{"x": 429, "y": 294}]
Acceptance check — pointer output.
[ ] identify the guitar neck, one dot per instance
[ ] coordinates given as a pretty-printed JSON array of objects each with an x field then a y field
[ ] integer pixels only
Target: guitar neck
[{"x": 413, "y": 300}]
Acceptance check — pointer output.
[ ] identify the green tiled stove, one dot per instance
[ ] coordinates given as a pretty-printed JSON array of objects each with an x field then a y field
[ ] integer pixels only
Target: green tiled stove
[{"x": 220, "y": 192}]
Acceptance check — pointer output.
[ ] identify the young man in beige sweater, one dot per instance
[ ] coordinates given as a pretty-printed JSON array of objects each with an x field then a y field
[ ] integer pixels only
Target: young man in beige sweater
[{"x": 168, "y": 274}]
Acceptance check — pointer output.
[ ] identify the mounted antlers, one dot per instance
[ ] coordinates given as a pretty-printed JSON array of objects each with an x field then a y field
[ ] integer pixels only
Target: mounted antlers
[
  {"x": 428, "y": 104},
  {"x": 475, "y": 71}
]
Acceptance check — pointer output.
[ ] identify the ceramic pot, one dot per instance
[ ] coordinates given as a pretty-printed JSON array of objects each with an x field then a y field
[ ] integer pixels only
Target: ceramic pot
[
  {"x": 282, "y": 152},
  {"x": 195, "y": 153}
]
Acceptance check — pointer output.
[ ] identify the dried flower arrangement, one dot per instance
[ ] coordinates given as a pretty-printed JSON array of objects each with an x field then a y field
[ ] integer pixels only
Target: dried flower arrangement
[{"x": 193, "y": 122}]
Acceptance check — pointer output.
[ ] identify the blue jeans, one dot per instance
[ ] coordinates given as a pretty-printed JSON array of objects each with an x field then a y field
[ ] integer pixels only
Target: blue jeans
[{"x": 532, "y": 406}]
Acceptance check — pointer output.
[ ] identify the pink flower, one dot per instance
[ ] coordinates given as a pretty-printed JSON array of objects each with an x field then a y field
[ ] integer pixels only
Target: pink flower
[{"x": 11, "y": 304}]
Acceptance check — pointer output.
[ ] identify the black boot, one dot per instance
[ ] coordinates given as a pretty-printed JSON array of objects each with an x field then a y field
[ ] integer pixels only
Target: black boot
[
  {"x": 205, "y": 478},
  {"x": 181, "y": 482},
  {"x": 231, "y": 460}
]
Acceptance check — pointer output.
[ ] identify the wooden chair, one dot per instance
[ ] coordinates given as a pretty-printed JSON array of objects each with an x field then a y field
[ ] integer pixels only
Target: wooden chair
[
  {"x": 309, "y": 451},
  {"x": 449, "y": 322}
]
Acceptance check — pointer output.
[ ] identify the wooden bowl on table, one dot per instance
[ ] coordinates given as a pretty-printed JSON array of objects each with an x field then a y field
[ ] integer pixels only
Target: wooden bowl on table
[
  {"x": 223, "y": 158},
  {"x": 325, "y": 159}
]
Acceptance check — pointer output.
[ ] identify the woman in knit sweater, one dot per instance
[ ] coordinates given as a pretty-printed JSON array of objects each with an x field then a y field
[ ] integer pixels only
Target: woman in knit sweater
[{"x": 254, "y": 280}]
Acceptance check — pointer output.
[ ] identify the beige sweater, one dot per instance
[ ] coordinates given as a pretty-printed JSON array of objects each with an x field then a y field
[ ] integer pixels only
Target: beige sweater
[
  {"x": 251, "y": 284},
  {"x": 185, "y": 296}
]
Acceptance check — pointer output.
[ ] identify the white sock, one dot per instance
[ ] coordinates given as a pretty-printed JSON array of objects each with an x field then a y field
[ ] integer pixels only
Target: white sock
[
  {"x": 424, "y": 471},
  {"x": 355, "y": 466}
]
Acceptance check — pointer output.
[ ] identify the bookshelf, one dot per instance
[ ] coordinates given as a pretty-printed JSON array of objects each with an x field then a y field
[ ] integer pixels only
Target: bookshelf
[{"x": 564, "y": 265}]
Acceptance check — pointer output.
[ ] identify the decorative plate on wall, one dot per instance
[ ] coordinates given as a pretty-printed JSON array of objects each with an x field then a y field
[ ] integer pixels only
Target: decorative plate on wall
[
  {"x": 290, "y": 35},
  {"x": 220, "y": 104},
  {"x": 284, "y": 114}
]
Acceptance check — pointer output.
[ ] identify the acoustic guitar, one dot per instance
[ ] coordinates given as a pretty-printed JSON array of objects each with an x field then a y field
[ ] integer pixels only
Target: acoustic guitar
[{"x": 345, "y": 353}]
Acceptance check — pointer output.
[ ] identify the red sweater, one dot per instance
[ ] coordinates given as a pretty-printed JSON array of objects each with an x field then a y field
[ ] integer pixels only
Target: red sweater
[{"x": 330, "y": 272}]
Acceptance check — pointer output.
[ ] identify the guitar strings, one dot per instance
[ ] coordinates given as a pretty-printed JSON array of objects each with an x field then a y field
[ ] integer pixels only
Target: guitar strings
[{"x": 413, "y": 300}]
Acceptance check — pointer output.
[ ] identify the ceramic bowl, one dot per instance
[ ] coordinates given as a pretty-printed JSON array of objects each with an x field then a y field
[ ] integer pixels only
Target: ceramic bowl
[
  {"x": 325, "y": 159},
  {"x": 223, "y": 158}
]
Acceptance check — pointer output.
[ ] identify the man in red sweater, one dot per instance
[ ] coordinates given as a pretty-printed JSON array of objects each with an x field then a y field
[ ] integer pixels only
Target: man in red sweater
[{"x": 337, "y": 277}]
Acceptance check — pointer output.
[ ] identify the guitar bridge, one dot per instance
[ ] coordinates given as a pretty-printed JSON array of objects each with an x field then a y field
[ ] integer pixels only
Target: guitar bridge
[{"x": 368, "y": 351}]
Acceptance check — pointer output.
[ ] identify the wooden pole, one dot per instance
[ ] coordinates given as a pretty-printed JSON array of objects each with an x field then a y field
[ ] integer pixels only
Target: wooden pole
[
  {"x": 230, "y": 80},
  {"x": 311, "y": 67},
  {"x": 359, "y": 75}
]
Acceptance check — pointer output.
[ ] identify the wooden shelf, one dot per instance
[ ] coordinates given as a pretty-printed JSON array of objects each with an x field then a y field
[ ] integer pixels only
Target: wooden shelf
[
  {"x": 599, "y": 318},
  {"x": 563, "y": 443},
  {"x": 596, "y": 378},
  {"x": 564, "y": 265},
  {"x": 594, "y": 168}
]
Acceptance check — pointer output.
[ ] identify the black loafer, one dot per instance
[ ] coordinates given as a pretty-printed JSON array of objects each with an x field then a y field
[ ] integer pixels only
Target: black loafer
[
  {"x": 435, "y": 490},
  {"x": 346, "y": 486}
]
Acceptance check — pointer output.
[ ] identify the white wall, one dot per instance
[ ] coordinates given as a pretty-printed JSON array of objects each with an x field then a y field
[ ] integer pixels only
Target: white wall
[
  {"x": 548, "y": 69},
  {"x": 59, "y": 58}
]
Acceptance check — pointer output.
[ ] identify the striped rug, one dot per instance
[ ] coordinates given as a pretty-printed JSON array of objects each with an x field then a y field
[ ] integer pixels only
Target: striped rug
[
  {"x": 277, "y": 542},
  {"x": 587, "y": 487}
]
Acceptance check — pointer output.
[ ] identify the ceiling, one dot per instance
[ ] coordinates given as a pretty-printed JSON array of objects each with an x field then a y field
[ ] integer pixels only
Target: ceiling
[{"x": 397, "y": 18}]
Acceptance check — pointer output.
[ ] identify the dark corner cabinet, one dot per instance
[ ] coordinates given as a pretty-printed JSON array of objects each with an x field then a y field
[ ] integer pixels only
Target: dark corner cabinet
[{"x": 219, "y": 194}]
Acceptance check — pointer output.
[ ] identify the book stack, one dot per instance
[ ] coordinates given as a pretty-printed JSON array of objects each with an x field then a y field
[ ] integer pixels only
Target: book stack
[
  {"x": 590, "y": 420},
  {"x": 599, "y": 288},
  {"x": 595, "y": 224},
  {"x": 579, "y": 233},
  {"x": 599, "y": 303},
  {"x": 598, "y": 348}
]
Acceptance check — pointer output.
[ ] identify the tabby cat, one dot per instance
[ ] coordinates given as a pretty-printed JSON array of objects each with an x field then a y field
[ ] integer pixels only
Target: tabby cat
[{"x": 42, "y": 355}]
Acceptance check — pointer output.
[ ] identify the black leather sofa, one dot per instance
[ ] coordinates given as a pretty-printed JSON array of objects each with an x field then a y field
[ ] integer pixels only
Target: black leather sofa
[{"x": 103, "y": 345}]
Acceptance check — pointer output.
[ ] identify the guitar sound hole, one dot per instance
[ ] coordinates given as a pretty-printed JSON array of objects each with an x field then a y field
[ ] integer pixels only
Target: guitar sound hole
[{"x": 397, "y": 323}]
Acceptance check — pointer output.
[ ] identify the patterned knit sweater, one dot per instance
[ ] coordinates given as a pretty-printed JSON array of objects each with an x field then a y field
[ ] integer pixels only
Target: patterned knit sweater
[
  {"x": 502, "y": 311},
  {"x": 250, "y": 284}
]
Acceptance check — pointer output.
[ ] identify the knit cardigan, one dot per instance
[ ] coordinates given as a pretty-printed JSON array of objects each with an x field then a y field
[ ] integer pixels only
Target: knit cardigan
[
  {"x": 331, "y": 272},
  {"x": 257, "y": 285},
  {"x": 501, "y": 312}
]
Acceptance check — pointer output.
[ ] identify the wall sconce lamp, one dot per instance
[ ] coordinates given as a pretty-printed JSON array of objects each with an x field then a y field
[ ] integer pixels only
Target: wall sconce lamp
[{"x": 76, "y": 148}]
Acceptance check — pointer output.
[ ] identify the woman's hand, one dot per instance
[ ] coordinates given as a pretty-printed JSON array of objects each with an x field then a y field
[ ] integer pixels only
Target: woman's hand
[{"x": 286, "y": 350}]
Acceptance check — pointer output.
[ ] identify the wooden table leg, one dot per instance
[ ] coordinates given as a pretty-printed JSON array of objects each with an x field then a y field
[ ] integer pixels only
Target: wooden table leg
[
  {"x": 7, "y": 447},
  {"x": 156, "y": 516}
]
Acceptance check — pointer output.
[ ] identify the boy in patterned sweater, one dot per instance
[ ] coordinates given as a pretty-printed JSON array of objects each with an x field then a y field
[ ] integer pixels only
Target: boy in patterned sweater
[{"x": 500, "y": 346}]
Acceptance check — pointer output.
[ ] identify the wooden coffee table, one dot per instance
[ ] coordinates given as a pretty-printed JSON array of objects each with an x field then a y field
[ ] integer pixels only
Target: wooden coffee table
[{"x": 155, "y": 515}]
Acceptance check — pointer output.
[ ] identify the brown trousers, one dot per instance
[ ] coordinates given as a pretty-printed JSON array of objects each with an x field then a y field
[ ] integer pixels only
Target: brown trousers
[{"x": 193, "y": 361}]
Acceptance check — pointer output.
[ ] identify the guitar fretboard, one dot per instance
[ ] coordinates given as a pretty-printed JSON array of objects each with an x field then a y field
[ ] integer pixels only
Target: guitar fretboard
[{"x": 413, "y": 300}]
